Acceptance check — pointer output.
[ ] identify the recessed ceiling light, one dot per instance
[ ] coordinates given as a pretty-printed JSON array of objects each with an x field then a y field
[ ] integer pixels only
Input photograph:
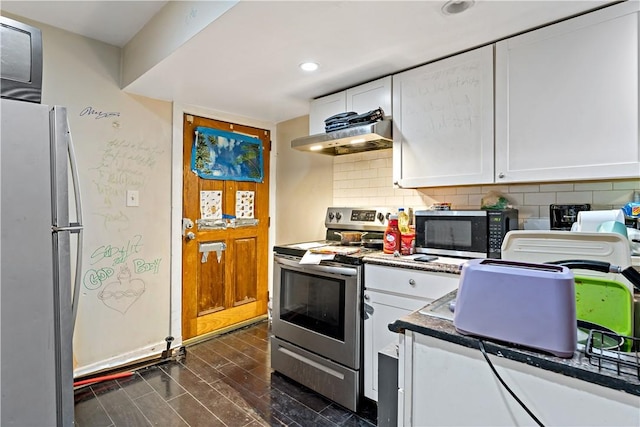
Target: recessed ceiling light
[
  {"x": 456, "y": 6},
  {"x": 309, "y": 66}
]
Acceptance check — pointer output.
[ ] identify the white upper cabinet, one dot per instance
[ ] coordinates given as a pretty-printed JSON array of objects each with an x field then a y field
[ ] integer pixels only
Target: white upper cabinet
[
  {"x": 370, "y": 96},
  {"x": 567, "y": 99},
  {"x": 443, "y": 122},
  {"x": 360, "y": 99},
  {"x": 323, "y": 108}
]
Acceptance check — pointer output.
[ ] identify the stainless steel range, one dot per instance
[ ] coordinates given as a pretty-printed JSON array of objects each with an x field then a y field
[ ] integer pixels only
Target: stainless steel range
[{"x": 317, "y": 308}]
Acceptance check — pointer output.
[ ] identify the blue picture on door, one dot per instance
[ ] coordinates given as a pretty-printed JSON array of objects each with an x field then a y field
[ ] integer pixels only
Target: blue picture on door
[{"x": 223, "y": 155}]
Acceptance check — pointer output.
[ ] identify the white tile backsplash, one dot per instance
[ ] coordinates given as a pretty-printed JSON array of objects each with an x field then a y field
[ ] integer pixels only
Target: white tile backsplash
[
  {"x": 577, "y": 197},
  {"x": 560, "y": 187},
  {"x": 468, "y": 190},
  {"x": 378, "y": 163},
  {"x": 539, "y": 198},
  {"x": 527, "y": 188},
  {"x": 627, "y": 185},
  {"x": 366, "y": 179},
  {"x": 599, "y": 185},
  {"x": 516, "y": 199},
  {"x": 616, "y": 198}
]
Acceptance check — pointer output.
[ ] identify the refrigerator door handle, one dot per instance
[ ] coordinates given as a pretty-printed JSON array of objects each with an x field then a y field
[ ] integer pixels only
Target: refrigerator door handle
[
  {"x": 72, "y": 228},
  {"x": 75, "y": 228}
]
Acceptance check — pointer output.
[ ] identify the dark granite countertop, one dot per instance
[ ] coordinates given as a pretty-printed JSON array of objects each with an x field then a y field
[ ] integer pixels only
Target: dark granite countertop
[
  {"x": 578, "y": 366},
  {"x": 439, "y": 265}
]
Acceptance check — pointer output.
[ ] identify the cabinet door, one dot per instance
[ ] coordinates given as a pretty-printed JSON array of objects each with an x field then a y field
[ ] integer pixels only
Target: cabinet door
[
  {"x": 382, "y": 309},
  {"x": 360, "y": 99},
  {"x": 391, "y": 293},
  {"x": 370, "y": 96},
  {"x": 323, "y": 108},
  {"x": 567, "y": 99},
  {"x": 443, "y": 122},
  {"x": 446, "y": 377}
]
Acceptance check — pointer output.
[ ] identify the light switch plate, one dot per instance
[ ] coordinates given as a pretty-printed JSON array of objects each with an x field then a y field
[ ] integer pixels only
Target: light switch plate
[{"x": 133, "y": 198}]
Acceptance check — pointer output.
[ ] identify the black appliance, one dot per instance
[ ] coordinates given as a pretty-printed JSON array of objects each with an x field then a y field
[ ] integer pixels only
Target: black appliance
[
  {"x": 561, "y": 217},
  {"x": 464, "y": 233}
]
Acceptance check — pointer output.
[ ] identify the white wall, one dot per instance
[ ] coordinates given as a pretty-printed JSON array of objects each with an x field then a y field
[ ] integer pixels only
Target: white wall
[
  {"x": 366, "y": 180},
  {"x": 122, "y": 142},
  {"x": 304, "y": 187},
  {"x": 125, "y": 142}
]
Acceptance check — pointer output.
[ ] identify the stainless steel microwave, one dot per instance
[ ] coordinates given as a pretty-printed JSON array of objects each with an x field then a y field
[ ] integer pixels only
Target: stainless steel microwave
[
  {"x": 21, "y": 55},
  {"x": 464, "y": 233}
]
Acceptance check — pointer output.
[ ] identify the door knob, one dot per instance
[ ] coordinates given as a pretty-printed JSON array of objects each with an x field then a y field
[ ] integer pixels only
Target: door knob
[
  {"x": 187, "y": 224},
  {"x": 190, "y": 236}
]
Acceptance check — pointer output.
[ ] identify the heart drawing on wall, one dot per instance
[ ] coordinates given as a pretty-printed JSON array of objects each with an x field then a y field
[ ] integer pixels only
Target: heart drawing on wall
[{"x": 121, "y": 295}]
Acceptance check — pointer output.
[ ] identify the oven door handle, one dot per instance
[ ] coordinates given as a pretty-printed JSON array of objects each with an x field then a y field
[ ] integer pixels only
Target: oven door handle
[{"x": 345, "y": 271}]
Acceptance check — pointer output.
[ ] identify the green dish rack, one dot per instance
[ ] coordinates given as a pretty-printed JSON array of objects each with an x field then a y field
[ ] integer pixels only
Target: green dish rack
[{"x": 605, "y": 302}]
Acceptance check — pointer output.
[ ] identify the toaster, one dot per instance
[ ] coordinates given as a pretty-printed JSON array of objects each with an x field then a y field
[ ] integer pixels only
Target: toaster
[{"x": 532, "y": 305}]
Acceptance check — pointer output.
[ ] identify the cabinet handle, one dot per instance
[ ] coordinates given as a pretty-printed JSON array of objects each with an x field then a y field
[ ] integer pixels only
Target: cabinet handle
[
  {"x": 412, "y": 282},
  {"x": 367, "y": 297},
  {"x": 501, "y": 175}
]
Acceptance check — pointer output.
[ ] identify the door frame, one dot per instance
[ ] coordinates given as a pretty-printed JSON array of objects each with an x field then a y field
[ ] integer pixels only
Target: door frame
[{"x": 176, "y": 202}]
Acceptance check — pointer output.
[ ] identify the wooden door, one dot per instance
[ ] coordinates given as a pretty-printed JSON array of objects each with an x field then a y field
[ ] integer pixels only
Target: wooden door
[{"x": 229, "y": 286}]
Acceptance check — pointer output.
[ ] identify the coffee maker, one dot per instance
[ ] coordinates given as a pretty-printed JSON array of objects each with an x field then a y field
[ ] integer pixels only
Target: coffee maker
[{"x": 562, "y": 217}]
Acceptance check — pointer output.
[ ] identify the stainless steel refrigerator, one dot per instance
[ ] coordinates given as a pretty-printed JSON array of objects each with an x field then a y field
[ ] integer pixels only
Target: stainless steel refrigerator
[{"x": 37, "y": 314}]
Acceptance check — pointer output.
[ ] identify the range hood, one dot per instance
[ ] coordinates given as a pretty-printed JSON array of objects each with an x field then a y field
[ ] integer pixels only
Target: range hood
[{"x": 366, "y": 137}]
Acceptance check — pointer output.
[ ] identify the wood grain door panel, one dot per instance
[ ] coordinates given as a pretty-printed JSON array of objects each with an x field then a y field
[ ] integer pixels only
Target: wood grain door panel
[{"x": 245, "y": 284}]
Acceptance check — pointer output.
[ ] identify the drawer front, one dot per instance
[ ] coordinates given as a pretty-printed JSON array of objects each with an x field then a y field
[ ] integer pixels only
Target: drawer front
[
  {"x": 413, "y": 283},
  {"x": 336, "y": 382}
]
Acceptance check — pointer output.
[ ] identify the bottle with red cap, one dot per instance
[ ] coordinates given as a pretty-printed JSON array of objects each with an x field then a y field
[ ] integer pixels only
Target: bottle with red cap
[{"x": 391, "y": 240}]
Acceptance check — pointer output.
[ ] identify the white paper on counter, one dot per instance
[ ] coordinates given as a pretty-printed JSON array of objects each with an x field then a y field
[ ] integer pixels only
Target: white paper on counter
[
  {"x": 309, "y": 245},
  {"x": 311, "y": 258}
]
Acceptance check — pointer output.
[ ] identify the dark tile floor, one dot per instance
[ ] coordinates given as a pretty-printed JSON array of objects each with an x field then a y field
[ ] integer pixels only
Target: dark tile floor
[{"x": 225, "y": 381}]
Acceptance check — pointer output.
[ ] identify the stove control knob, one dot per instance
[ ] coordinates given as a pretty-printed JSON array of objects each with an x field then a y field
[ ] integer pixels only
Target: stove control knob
[
  {"x": 331, "y": 216},
  {"x": 387, "y": 215},
  {"x": 338, "y": 216},
  {"x": 380, "y": 217}
]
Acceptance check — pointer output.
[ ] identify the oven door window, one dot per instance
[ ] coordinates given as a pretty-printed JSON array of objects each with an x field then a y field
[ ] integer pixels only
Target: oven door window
[{"x": 313, "y": 302}]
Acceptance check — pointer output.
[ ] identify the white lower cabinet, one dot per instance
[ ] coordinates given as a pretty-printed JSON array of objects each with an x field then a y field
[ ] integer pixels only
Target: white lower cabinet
[
  {"x": 391, "y": 293},
  {"x": 446, "y": 384}
]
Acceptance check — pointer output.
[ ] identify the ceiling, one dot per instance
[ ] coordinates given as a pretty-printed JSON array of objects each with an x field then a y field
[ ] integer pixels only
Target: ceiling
[{"x": 246, "y": 62}]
